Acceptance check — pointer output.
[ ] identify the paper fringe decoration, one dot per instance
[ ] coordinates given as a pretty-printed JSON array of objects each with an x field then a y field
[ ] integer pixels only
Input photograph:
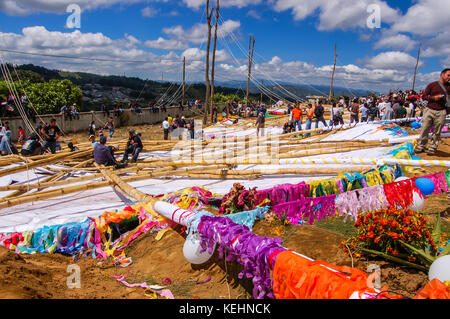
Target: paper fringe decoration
[
  {"x": 311, "y": 209},
  {"x": 238, "y": 243}
]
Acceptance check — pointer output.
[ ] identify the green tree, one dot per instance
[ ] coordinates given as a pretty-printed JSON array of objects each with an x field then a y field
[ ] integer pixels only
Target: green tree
[{"x": 49, "y": 97}]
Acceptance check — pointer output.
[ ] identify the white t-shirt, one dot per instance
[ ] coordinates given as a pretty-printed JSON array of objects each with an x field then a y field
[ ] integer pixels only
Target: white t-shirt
[{"x": 165, "y": 125}]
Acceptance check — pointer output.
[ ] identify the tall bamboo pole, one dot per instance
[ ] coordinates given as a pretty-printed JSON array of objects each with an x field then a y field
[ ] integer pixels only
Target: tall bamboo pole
[
  {"x": 250, "y": 61},
  {"x": 208, "y": 46},
  {"x": 417, "y": 66},
  {"x": 332, "y": 83},
  {"x": 214, "y": 61},
  {"x": 184, "y": 80},
  {"x": 332, "y": 75}
]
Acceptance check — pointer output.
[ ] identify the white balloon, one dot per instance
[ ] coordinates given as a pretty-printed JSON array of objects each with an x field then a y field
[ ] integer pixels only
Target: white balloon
[
  {"x": 418, "y": 203},
  {"x": 440, "y": 269},
  {"x": 402, "y": 178},
  {"x": 192, "y": 248}
]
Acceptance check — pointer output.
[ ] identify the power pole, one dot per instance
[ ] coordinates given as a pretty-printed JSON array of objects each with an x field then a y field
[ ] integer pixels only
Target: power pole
[
  {"x": 208, "y": 18},
  {"x": 184, "y": 78},
  {"x": 214, "y": 61},
  {"x": 251, "y": 48},
  {"x": 417, "y": 66}
]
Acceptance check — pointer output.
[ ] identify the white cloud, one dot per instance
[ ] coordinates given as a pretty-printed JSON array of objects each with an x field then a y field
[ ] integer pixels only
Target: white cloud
[
  {"x": 426, "y": 17},
  {"x": 254, "y": 14},
  {"x": 438, "y": 46},
  {"x": 396, "y": 42},
  {"x": 196, "y": 4},
  {"x": 25, "y": 7},
  {"x": 198, "y": 33},
  {"x": 195, "y": 54},
  {"x": 382, "y": 72},
  {"x": 336, "y": 14},
  {"x": 393, "y": 60},
  {"x": 165, "y": 44},
  {"x": 149, "y": 12}
]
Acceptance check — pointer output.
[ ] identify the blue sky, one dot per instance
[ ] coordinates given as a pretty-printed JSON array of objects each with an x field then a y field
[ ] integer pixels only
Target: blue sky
[{"x": 294, "y": 39}]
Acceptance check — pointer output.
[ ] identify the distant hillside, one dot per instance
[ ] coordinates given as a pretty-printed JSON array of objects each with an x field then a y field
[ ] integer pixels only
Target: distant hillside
[
  {"x": 98, "y": 89},
  {"x": 290, "y": 90}
]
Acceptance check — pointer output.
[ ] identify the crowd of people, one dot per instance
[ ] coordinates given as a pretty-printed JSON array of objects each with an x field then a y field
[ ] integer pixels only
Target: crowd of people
[
  {"x": 178, "y": 127},
  {"x": 395, "y": 105},
  {"x": 432, "y": 105}
]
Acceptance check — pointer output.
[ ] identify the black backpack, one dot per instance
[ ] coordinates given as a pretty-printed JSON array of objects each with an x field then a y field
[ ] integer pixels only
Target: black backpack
[{"x": 318, "y": 111}]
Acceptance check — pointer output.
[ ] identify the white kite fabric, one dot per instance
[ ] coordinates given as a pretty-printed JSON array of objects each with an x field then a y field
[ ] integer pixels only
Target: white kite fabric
[{"x": 92, "y": 203}]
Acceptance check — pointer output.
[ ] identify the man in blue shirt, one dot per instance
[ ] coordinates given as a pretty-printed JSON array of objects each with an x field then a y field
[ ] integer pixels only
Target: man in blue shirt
[{"x": 104, "y": 155}]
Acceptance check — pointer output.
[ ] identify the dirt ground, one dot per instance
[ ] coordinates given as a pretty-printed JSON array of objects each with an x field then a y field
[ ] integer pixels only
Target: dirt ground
[{"x": 43, "y": 276}]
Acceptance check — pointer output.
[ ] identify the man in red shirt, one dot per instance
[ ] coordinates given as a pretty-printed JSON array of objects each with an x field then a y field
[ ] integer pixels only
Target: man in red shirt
[
  {"x": 437, "y": 95},
  {"x": 297, "y": 114}
]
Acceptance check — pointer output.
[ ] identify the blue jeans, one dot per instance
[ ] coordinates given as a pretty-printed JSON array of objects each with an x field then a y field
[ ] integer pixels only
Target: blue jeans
[
  {"x": 298, "y": 125},
  {"x": 321, "y": 119},
  {"x": 51, "y": 146},
  {"x": 133, "y": 151},
  {"x": 308, "y": 126},
  {"x": 111, "y": 132}
]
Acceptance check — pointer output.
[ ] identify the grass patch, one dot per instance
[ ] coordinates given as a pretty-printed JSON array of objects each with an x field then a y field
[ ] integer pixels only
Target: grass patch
[{"x": 337, "y": 226}]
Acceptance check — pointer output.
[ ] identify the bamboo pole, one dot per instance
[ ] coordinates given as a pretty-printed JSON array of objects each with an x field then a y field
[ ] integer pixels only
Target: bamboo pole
[
  {"x": 213, "y": 64},
  {"x": 206, "y": 107},
  {"x": 72, "y": 189},
  {"x": 332, "y": 76},
  {"x": 417, "y": 66},
  {"x": 20, "y": 192},
  {"x": 322, "y": 151},
  {"x": 251, "y": 48},
  {"x": 42, "y": 162},
  {"x": 293, "y": 171}
]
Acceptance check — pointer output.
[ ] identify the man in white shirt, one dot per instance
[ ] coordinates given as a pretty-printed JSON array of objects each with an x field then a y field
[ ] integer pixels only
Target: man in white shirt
[{"x": 166, "y": 126}]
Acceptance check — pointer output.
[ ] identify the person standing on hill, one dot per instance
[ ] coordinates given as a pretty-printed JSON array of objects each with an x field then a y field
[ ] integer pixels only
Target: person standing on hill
[
  {"x": 191, "y": 128},
  {"x": 51, "y": 133},
  {"x": 373, "y": 112},
  {"x": 260, "y": 122},
  {"x": 364, "y": 113},
  {"x": 92, "y": 128},
  {"x": 21, "y": 135},
  {"x": 319, "y": 112},
  {"x": 438, "y": 96},
  {"x": 338, "y": 113},
  {"x": 166, "y": 128},
  {"x": 309, "y": 118},
  {"x": 354, "y": 112},
  {"x": 297, "y": 114},
  {"x": 110, "y": 125},
  {"x": 400, "y": 111}
]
